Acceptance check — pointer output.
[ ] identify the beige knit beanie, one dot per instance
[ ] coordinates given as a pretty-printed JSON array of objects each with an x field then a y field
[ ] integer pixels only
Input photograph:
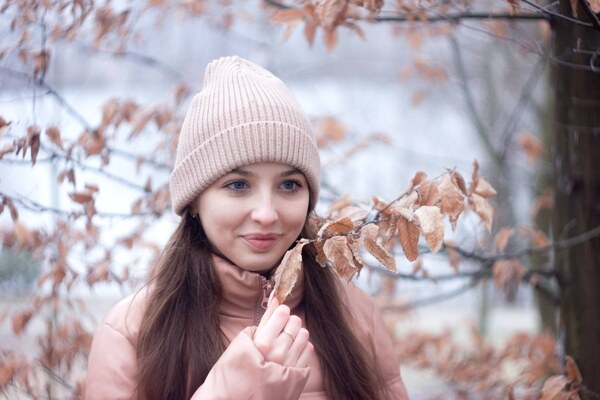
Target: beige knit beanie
[{"x": 243, "y": 115}]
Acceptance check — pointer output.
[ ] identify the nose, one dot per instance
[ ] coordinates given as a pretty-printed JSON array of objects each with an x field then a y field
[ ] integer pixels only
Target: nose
[{"x": 265, "y": 210}]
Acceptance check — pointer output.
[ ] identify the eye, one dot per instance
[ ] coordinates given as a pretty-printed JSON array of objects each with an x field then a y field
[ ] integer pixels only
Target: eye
[
  {"x": 237, "y": 186},
  {"x": 290, "y": 186}
]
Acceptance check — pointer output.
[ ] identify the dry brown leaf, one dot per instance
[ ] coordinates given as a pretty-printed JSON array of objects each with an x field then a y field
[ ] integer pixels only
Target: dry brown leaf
[
  {"x": 110, "y": 109},
  {"x": 33, "y": 142},
  {"x": 356, "y": 28},
  {"x": 81, "y": 197},
  {"x": 338, "y": 227},
  {"x": 507, "y": 272},
  {"x": 100, "y": 272},
  {"x": 459, "y": 181},
  {"x": 288, "y": 271},
  {"x": 321, "y": 258},
  {"x": 474, "y": 177},
  {"x": 431, "y": 221},
  {"x": 289, "y": 16},
  {"x": 485, "y": 189},
  {"x": 94, "y": 146},
  {"x": 502, "y": 237},
  {"x": 329, "y": 130},
  {"x": 531, "y": 145},
  {"x": 9, "y": 148},
  {"x": 574, "y": 5},
  {"x": 454, "y": 257},
  {"x": 374, "y": 6},
  {"x": 354, "y": 245},
  {"x": 40, "y": 61},
  {"x": 419, "y": 177},
  {"x": 339, "y": 204},
  {"x": 67, "y": 173},
  {"x": 140, "y": 119},
  {"x": 54, "y": 134},
  {"x": 553, "y": 386},
  {"x": 483, "y": 208},
  {"x": 417, "y": 266},
  {"x": 330, "y": 12},
  {"x": 340, "y": 256},
  {"x": 408, "y": 233},
  {"x": 543, "y": 201},
  {"x": 23, "y": 235},
  {"x": 7, "y": 371},
  {"x": 91, "y": 187},
  {"x": 14, "y": 214},
  {"x": 538, "y": 238},
  {"x": 330, "y": 39},
  {"x": 429, "y": 194},
  {"x": 4, "y": 126},
  {"x": 20, "y": 320},
  {"x": 368, "y": 234},
  {"x": 180, "y": 92},
  {"x": 310, "y": 28},
  {"x": 452, "y": 199},
  {"x": 353, "y": 212}
]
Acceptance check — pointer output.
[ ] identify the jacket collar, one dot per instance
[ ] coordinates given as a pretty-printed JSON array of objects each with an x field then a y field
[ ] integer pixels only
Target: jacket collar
[{"x": 244, "y": 294}]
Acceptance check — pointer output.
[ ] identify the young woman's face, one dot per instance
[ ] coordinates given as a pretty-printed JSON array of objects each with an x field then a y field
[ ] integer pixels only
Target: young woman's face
[{"x": 254, "y": 214}]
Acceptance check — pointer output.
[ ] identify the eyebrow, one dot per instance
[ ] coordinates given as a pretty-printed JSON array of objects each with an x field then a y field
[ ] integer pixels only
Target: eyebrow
[{"x": 286, "y": 173}]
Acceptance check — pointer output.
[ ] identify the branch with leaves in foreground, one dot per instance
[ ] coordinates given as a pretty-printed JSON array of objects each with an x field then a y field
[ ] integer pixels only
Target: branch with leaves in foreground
[{"x": 419, "y": 210}]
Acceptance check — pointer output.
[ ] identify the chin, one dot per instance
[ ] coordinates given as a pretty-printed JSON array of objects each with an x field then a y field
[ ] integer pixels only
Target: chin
[{"x": 263, "y": 265}]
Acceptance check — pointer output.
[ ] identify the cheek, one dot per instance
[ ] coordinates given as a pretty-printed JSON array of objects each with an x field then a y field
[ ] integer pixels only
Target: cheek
[{"x": 295, "y": 216}]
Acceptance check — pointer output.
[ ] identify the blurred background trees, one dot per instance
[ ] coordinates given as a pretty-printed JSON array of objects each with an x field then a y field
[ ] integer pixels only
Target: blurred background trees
[{"x": 93, "y": 95}]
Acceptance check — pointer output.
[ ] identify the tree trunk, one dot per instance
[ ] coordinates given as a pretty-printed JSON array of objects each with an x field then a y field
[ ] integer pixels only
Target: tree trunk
[{"x": 577, "y": 195}]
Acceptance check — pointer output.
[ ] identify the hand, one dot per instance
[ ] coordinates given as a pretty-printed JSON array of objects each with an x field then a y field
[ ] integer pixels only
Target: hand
[{"x": 281, "y": 338}]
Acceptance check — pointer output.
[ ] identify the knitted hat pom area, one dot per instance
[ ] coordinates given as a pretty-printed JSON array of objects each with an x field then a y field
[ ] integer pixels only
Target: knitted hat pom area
[{"x": 243, "y": 115}]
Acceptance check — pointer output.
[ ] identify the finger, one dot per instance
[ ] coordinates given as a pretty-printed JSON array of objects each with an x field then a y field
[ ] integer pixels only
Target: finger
[
  {"x": 271, "y": 330},
  {"x": 273, "y": 303},
  {"x": 307, "y": 355},
  {"x": 297, "y": 348},
  {"x": 292, "y": 327}
]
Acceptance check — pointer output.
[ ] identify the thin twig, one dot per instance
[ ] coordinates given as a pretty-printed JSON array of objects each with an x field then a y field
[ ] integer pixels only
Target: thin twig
[
  {"x": 590, "y": 13},
  {"x": 524, "y": 98},
  {"x": 558, "y": 245},
  {"x": 482, "y": 130},
  {"x": 432, "y": 299},
  {"x": 34, "y": 206},
  {"x": 557, "y": 15}
]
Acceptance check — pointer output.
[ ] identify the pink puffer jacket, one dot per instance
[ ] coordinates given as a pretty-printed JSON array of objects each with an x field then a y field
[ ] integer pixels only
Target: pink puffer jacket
[{"x": 241, "y": 373}]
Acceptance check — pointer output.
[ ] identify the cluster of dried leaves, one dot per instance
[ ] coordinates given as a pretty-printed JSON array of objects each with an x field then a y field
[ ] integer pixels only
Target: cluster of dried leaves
[
  {"x": 350, "y": 231},
  {"x": 525, "y": 367},
  {"x": 329, "y": 15}
]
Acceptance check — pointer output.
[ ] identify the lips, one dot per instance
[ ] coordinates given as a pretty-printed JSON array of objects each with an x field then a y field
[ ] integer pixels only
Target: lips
[{"x": 261, "y": 241}]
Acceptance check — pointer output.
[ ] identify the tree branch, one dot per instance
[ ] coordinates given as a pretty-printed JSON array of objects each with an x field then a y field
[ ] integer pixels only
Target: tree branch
[
  {"x": 482, "y": 130},
  {"x": 430, "y": 300},
  {"x": 34, "y": 206},
  {"x": 450, "y": 17}
]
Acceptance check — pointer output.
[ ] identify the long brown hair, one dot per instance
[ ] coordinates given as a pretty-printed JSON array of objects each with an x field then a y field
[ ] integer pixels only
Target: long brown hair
[{"x": 180, "y": 339}]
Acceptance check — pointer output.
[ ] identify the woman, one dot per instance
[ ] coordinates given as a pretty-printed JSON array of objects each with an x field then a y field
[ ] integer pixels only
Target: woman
[{"x": 245, "y": 180}]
